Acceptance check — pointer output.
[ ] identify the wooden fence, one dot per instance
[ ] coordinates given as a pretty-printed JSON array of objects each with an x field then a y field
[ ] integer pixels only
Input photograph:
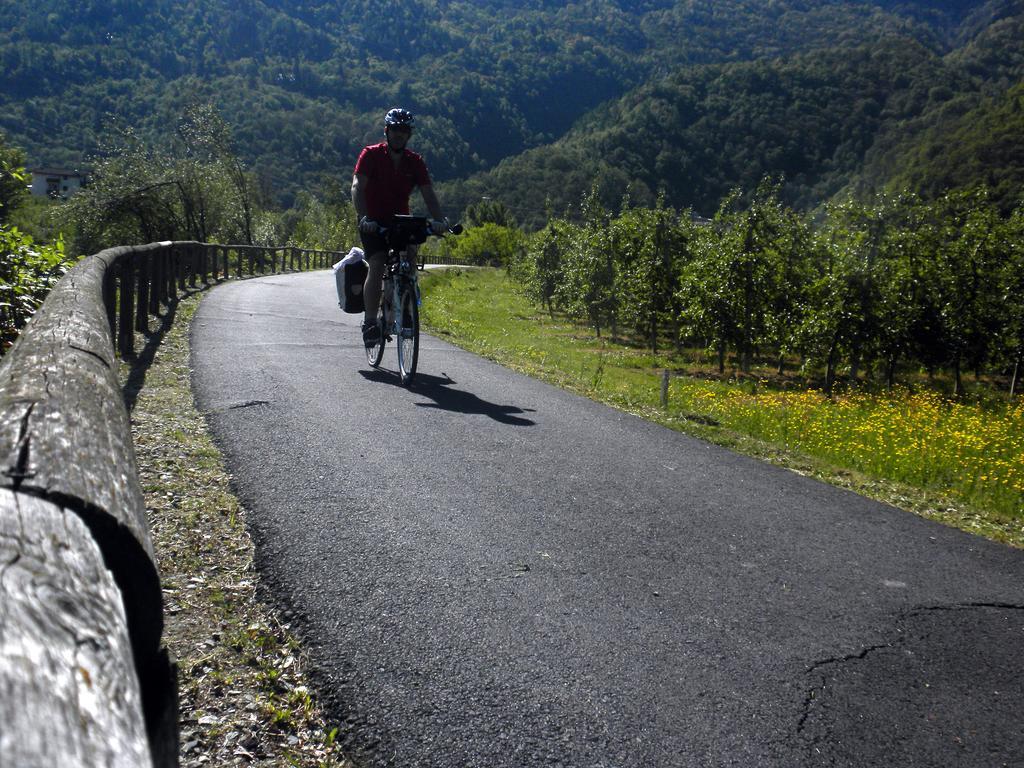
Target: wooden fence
[{"x": 84, "y": 677}]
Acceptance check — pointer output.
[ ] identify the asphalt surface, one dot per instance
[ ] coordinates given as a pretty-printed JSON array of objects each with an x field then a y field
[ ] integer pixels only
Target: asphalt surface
[{"x": 488, "y": 571}]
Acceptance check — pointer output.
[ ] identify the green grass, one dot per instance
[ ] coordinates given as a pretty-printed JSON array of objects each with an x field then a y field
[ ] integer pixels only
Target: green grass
[{"x": 959, "y": 463}]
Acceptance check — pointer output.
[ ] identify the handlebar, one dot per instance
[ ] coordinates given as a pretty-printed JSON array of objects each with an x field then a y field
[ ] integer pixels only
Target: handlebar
[
  {"x": 409, "y": 230},
  {"x": 418, "y": 225}
]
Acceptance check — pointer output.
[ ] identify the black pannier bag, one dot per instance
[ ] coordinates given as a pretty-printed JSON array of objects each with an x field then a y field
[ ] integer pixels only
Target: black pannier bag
[{"x": 349, "y": 275}]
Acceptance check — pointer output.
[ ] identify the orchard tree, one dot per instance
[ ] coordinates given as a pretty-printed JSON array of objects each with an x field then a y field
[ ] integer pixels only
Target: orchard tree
[
  {"x": 650, "y": 248},
  {"x": 587, "y": 290},
  {"x": 1012, "y": 297},
  {"x": 966, "y": 278},
  {"x": 540, "y": 271},
  {"x": 736, "y": 281}
]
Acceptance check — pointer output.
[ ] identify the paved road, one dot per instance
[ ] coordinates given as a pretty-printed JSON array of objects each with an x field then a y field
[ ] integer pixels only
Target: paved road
[{"x": 491, "y": 572}]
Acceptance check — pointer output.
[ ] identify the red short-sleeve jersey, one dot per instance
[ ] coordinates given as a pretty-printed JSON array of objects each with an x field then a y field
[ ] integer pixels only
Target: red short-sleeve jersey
[{"x": 388, "y": 187}]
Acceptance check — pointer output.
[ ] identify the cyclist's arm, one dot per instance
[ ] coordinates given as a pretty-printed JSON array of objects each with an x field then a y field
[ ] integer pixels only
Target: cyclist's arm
[
  {"x": 359, "y": 182},
  {"x": 431, "y": 201}
]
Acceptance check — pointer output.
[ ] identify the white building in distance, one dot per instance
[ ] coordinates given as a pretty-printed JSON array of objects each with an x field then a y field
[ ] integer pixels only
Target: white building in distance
[{"x": 56, "y": 182}]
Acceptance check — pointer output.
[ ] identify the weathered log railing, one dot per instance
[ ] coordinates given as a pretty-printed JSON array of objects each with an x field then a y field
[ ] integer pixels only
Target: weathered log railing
[{"x": 84, "y": 677}]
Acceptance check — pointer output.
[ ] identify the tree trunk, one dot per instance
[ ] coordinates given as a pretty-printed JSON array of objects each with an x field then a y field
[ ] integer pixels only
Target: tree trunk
[
  {"x": 782, "y": 363},
  {"x": 721, "y": 357},
  {"x": 1016, "y": 370},
  {"x": 890, "y": 373},
  {"x": 958, "y": 385},
  {"x": 830, "y": 369}
]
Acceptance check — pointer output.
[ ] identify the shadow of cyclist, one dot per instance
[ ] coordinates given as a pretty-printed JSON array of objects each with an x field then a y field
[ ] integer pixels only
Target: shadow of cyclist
[{"x": 446, "y": 398}]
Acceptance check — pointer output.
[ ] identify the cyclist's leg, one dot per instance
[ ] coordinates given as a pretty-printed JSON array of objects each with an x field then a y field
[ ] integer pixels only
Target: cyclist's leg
[
  {"x": 372, "y": 286},
  {"x": 375, "y": 247}
]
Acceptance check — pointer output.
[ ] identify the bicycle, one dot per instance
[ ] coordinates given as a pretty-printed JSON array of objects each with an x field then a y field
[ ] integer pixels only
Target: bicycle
[{"x": 402, "y": 291}]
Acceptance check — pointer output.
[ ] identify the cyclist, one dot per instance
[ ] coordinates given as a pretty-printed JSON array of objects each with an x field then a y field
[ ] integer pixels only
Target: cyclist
[{"x": 385, "y": 176}]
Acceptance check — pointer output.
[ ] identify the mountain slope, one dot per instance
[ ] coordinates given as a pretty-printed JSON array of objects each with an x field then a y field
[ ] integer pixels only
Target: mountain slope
[
  {"x": 305, "y": 82},
  {"x": 853, "y": 118}
]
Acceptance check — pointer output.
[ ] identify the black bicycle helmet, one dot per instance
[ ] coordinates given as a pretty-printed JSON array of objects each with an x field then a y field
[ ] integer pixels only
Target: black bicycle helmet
[{"x": 399, "y": 116}]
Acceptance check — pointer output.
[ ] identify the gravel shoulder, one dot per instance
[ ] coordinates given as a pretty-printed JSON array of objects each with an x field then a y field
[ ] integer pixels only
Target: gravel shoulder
[{"x": 242, "y": 677}]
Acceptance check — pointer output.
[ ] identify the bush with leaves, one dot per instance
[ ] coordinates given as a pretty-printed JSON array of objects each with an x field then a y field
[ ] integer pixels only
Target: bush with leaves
[
  {"x": 12, "y": 178},
  {"x": 27, "y": 270},
  {"x": 485, "y": 244},
  {"x": 324, "y": 225},
  {"x": 27, "y": 273}
]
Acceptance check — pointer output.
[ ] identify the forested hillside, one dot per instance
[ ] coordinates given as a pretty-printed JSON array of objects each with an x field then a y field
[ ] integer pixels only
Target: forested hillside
[
  {"x": 891, "y": 112},
  {"x": 304, "y": 83}
]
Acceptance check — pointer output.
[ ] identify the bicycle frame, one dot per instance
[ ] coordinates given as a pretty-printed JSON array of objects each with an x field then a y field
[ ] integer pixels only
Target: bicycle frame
[
  {"x": 398, "y": 273},
  {"x": 400, "y": 295}
]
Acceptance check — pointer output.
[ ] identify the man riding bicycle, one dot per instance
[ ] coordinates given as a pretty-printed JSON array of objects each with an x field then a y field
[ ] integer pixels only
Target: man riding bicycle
[{"x": 384, "y": 178}]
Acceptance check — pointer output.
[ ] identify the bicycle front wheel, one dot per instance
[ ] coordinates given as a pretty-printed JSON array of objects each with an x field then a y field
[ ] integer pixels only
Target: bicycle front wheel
[
  {"x": 408, "y": 336},
  {"x": 375, "y": 353}
]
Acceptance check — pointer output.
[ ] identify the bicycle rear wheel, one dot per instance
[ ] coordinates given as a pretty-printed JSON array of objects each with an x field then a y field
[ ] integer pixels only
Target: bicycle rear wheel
[
  {"x": 408, "y": 335},
  {"x": 375, "y": 353}
]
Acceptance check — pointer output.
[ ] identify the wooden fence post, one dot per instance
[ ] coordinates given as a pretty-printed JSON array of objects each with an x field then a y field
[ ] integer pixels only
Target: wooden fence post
[
  {"x": 170, "y": 284},
  {"x": 142, "y": 293},
  {"x": 193, "y": 258},
  {"x": 125, "y": 324},
  {"x": 156, "y": 281},
  {"x": 180, "y": 266}
]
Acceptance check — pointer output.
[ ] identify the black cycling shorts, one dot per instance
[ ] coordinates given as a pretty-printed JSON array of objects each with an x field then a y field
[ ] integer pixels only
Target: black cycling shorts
[{"x": 374, "y": 243}]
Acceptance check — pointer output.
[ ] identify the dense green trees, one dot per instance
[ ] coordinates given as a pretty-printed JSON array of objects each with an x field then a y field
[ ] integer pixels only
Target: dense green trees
[
  {"x": 890, "y": 114},
  {"x": 304, "y": 84},
  {"x": 860, "y": 290}
]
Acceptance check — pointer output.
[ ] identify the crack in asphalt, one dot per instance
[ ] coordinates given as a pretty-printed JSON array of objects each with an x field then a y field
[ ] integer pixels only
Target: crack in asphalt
[
  {"x": 813, "y": 692},
  {"x": 247, "y": 404},
  {"x": 811, "y": 695},
  {"x": 962, "y": 607}
]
